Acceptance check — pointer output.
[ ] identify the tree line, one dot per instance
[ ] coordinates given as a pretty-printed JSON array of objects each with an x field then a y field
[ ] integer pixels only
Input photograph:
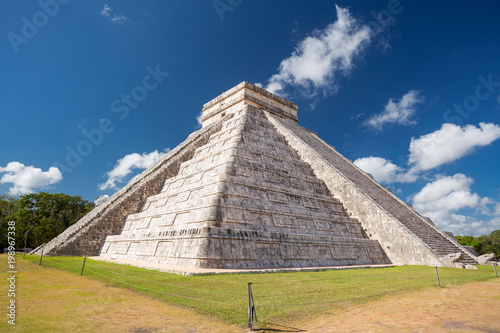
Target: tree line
[
  {"x": 40, "y": 216},
  {"x": 483, "y": 244}
]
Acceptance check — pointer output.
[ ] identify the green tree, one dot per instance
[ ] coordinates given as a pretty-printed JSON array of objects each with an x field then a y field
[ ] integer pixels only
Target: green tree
[
  {"x": 6, "y": 206},
  {"x": 44, "y": 216},
  {"x": 491, "y": 243},
  {"x": 483, "y": 244},
  {"x": 470, "y": 241}
]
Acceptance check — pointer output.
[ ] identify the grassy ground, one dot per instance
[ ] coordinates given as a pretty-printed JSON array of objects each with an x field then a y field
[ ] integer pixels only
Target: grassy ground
[
  {"x": 51, "y": 300},
  {"x": 279, "y": 297}
]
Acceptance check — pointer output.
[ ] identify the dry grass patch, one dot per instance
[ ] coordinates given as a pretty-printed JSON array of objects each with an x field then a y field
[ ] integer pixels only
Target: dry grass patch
[{"x": 472, "y": 307}]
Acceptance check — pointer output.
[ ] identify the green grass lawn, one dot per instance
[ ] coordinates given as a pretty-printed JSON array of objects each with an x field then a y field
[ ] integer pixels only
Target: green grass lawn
[{"x": 279, "y": 297}]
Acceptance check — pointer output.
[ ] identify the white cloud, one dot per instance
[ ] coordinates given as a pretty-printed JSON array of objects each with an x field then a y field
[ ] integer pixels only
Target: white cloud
[
  {"x": 449, "y": 143},
  {"x": 198, "y": 119},
  {"x": 112, "y": 16},
  {"x": 384, "y": 171},
  {"x": 119, "y": 18},
  {"x": 356, "y": 117},
  {"x": 397, "y": 112},
  {"x": 125, "y": 165},
  {"x": 321, "y": 58},
  {"x": 106, "y": 11},
  {"x": 468, "y": 225},
  {"x": 28, "y": 178},
  {"x": 445, "y": 145},
  {"x": 442, "y": 199},
  {"x": 446, "y": 194}
]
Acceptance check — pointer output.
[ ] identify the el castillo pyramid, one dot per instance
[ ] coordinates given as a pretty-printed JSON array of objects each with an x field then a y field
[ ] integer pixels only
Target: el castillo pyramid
[{"x": 253, "y": 189}]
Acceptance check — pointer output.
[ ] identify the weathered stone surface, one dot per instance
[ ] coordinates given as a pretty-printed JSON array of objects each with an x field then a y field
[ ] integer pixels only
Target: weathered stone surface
[
  {"x": 86, "y": 237},
  {"x": 471, "y": 249},
  {"x": 245, "y": 200},
  {"x": 485, "y": 258},
  {"x": 405, "y": 235},
  {"x": 252, "y": 189},
  {"x": 452, "y": 257}
]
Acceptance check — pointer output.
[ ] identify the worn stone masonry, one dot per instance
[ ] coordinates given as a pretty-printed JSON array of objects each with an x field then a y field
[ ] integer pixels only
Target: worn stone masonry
[
  {"x": 253, "y": 189},
  {"x": 86, "y": 237},
  {"x": 406, "y": 236}
]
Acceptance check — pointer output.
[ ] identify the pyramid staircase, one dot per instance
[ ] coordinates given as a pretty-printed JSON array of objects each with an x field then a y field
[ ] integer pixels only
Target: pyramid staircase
[{"x": 438, "y": 241}]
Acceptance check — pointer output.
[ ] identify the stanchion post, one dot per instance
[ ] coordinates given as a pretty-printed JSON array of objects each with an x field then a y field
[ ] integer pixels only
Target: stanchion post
[
  {"x": 495, "y": 267},
  {"x": 41, "y": 256},
  {"x": 83, "y": 266},
  {"x": 251, "y": 308},
  {"x": 437, "y": 275}
]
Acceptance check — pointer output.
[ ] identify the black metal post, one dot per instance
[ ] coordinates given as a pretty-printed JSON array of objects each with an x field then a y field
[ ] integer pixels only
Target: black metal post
[
  {"x": 83, "y": 266},
  {"x": 437, "y": 275},
  {"x": 41, "y": 256},
  {"x": 251, "y": 308}
]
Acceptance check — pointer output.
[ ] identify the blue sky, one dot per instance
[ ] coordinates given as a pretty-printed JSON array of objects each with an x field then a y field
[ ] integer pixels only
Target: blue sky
[{"x": 92, "y": 92}]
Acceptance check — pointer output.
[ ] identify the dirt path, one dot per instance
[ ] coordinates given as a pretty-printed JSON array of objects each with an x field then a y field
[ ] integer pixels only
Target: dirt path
[{"x": 473, "y": 307}]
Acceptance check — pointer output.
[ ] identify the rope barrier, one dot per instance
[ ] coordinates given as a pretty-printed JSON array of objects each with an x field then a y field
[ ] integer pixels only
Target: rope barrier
[
  {"x": 336, "y": 289},
  {"x": 175, "y": 276},
  {"x": 273, "y": 300},
  {"x": 165, "y": 284},
  {"x": 163, "y": 292},
  {"x": 324, "y": 291},
  {"x": 60, "y": 259},
  {"x": 325, "y": 279},
  {"x": 333, "y": 302},
  {"x": 201, "y": 277}
]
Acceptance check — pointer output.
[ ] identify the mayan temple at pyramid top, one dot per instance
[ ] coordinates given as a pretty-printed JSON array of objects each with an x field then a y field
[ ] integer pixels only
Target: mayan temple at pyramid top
[
  {"x": 254, "y": 190},
  {"x": 246, "y": 93}
]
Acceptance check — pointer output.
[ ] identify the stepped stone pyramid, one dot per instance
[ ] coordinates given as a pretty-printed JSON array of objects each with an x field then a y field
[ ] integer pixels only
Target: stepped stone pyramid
[{"x": 253, "y": 189}]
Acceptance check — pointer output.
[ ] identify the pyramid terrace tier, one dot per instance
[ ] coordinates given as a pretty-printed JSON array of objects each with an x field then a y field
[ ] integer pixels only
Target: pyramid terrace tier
[
  {"x": 222, "y": 248},
  {"x": 229, "y": 181}
]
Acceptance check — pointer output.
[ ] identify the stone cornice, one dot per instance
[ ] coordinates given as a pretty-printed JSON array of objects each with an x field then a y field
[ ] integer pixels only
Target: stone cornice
[{"x": 250, "y": 94}]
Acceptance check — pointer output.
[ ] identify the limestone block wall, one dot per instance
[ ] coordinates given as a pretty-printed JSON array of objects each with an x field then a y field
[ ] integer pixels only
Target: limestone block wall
[
  {"x": 87, "y": 236},
  {"x": 236, "y": 248},
  {"x": 245, "y": 200},
  {"x": 397, "y": 240},
  {"x": 221, "y": 248}
]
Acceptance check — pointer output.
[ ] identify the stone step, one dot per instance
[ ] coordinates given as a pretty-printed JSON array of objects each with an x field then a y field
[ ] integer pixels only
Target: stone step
[{"x": 439, "y": 243}]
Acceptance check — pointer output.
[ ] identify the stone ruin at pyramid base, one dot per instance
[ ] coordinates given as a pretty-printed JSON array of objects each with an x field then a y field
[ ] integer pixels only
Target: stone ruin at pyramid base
[{"x": 254, "y": 190}]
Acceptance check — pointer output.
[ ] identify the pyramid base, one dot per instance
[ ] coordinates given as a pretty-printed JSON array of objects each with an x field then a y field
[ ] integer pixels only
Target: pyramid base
[
  {"x": 188, "y": 271},
  {"x": 221, "y": 248}
]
